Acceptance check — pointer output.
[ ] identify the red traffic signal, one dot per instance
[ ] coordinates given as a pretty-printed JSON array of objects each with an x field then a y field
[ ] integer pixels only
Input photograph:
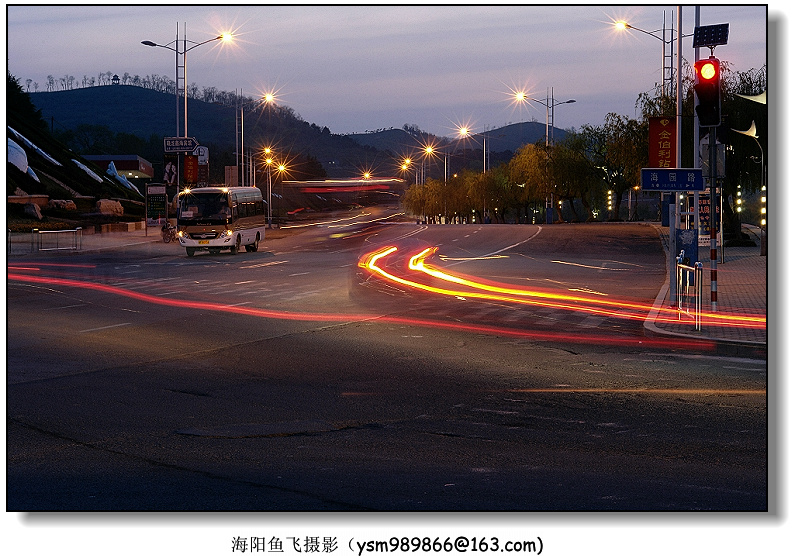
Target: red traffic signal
[{"x": 708, "y": 91}]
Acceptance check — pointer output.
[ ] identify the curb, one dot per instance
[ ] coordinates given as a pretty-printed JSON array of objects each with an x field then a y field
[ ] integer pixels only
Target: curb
[{"x": 724, "y": 346}]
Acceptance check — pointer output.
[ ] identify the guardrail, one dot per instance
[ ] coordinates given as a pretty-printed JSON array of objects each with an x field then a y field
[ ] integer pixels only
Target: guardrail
[
  {"x": 56, "y": 240},
  {"x": 689, "y": 290}
]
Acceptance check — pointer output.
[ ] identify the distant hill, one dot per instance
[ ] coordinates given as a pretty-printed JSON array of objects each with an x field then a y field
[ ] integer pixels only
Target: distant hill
[
  {"x": 507, "y": 138},
  {"x": 151, "y": 115}
]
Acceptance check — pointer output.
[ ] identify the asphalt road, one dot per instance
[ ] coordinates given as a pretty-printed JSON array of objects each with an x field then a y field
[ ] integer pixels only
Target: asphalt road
[{"x": 296, "y": 379}]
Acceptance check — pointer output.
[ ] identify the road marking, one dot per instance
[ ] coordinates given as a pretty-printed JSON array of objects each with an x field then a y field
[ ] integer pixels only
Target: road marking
[
  {"x": 104, "y": 327},
  {"x": 260, "y": 265},
  {"x": 588, "y": 266}
]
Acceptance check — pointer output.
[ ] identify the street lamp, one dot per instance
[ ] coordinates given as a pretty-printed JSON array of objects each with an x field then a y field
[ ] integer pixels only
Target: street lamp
[
  {"x": 240, "y": 157},
  {"x": 430, "y": 151},
  {"x": 181, "y": 63},
  {"x": 666, "y": 46},
  {"x": 549, "y": 104},
  {"x": 269, "y": 161}
]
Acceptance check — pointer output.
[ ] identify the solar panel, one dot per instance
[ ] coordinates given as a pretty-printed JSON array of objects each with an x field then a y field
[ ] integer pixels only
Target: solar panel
[{"x": 711, "y": 35}]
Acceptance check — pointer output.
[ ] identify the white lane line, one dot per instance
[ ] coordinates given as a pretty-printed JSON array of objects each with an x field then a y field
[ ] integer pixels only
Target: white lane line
[{"x": 104, "y": 327}]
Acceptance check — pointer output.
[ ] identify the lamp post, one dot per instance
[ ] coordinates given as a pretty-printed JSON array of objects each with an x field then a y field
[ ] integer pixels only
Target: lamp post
[
  {"x": 269, "y": 161},
  {"x": 268, "y": 99},
  {"x": 549, "y": 104},
  {"x": 181, "y": 63},
  {"x": 667, "y": 48},
  {"x": 430, "y": 151}
]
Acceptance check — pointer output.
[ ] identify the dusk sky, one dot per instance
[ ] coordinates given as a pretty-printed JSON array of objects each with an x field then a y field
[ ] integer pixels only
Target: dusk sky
[{"x": 357, "y": 68}]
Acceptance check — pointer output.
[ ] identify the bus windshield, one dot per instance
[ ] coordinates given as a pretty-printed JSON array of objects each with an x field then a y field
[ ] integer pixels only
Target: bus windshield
[{"x": 204, "y": 207}]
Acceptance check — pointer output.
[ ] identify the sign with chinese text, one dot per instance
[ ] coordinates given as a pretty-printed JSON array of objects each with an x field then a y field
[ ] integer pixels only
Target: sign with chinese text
[
  {"x": 662, "y": 142},
  {"x": 179, "y": 144},
  {"x": 156, "y": 206},
  {"x": 705, "y": 210},
  {"x": 671, "y": 179},
  {"x": 190, "y": 165}
]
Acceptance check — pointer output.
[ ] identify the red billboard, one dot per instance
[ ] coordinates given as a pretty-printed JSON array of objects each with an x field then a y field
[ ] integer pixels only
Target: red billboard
[
  {"x": 662, "y": 142},
  {"x": 190, "y": 163}
]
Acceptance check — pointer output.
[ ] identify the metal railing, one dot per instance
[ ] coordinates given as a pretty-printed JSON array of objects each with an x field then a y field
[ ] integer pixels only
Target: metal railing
[
  {"x": 56, "y": 240},
  {"x": 689, "y": 290}
]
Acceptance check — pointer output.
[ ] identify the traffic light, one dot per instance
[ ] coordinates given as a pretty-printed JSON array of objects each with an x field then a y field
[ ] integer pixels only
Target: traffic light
[{"x": 708, "y": 91}]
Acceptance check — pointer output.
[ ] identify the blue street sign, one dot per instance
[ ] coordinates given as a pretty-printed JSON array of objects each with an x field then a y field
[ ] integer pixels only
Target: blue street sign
[
  {"x": 180, "y": 144},
  {"x": 671, "y": 179}
]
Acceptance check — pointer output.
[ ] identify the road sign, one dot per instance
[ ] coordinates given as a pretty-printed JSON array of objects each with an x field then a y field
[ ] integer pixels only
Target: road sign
[
  {"x": 671, "y": 179},
  {"x": 180, "y": 144}
]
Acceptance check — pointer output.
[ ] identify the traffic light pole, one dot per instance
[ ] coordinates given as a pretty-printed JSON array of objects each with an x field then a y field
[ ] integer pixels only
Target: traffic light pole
[{"x": 713, "y": 232}]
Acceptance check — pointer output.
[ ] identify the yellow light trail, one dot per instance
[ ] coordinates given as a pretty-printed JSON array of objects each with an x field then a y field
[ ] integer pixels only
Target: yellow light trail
[{"x": 494, "y": 292}]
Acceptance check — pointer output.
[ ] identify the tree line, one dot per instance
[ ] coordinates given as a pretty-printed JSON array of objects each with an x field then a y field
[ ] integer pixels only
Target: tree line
[
  {"x": 154, "y": 82},
  {"x": 597, "y": 165}
]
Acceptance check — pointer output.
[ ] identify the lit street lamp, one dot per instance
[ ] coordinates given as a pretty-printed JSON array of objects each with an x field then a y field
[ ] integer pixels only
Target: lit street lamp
[
  {"x": 268, "y": 99},
  {"x": 181, "y": 63},
  {"x": 269, "y": 161},
  {"x": 549, "y": 104},
  {"x": 667, "y": 48}
]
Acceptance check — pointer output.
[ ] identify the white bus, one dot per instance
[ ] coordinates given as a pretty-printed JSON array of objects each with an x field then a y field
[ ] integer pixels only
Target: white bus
[{"x": 218, "y": 218}]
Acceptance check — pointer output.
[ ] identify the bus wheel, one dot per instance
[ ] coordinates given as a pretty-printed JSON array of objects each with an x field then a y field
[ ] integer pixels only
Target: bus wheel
[
  {"x": 256, "y": 243},
  {"x": 236, "y": 247},
  {"x": 190, "y": 251}
]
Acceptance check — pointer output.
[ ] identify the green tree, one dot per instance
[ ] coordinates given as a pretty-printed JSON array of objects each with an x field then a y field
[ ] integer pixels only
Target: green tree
[
  {"x": 19, "y": 107},
  {"x": 626, "y": 155}
]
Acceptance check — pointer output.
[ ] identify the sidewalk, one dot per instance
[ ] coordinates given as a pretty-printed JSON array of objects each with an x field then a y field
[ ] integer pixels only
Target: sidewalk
[{"x": 740, "y": 290}]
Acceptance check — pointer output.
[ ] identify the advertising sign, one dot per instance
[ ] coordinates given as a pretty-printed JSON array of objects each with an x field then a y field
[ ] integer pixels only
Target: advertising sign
[
  {"x": 156, "y": 205},
  {"x": 662, "y": 142},
  {"x": 190, "y": 170},
  {"x": 171, "y": 175},
  {"x": 705, "y": 210}
]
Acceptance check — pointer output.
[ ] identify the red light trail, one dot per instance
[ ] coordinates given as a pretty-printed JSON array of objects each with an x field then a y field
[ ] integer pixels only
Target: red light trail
[{"x": 533, "y": 335}]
